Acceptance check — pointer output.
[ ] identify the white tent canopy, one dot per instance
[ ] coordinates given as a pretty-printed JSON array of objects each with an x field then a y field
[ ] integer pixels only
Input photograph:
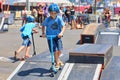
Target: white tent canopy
[{"x": 44, "y": 1}]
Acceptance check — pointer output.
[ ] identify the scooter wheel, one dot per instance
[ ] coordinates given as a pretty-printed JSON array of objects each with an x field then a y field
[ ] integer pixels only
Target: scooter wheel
[
  {"x": 60, "y": 68},
  {"x": 52, "y": 74}
]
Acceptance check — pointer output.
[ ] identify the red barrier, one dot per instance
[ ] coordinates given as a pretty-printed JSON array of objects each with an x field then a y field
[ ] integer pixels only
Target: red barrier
[
  {"x": 116, "y": 10},
  {"x": 81, "y": 8},
  {"x": 1, "y": 6}
]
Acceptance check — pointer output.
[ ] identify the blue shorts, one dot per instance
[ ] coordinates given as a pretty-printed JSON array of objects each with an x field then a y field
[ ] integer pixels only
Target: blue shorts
[
  {"x": 68, "y": 19},
  {"x": 57, "y": 44},
  {"x": 26, "y": 41},
  {"x": 73, "y": 17}
]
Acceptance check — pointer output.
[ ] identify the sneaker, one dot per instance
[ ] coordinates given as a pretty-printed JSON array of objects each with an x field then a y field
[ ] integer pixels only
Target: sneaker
[
  {"x": 25, "y": 57},
  {"x": 15, "y": 55},
  {"x": 61, "y": 63},
  {"x": 57, "y": 66}
]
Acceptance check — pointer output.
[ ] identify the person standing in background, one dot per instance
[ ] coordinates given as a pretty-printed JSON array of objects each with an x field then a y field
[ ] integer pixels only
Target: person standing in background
[
  {"x": 24, "y": 15},
  {"x": 73, "y": 18},
  {"x": 107, "y": 14},
  {"x": 46, "y": 13},
  {"x": 34, "y": 13},
  {"x": 40, "y": 15},
  {"x": 68, "y": 16}
]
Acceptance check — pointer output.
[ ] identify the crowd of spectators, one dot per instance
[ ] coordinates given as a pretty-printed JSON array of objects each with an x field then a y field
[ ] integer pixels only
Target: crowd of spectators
[{"x": 67, "y": 13}]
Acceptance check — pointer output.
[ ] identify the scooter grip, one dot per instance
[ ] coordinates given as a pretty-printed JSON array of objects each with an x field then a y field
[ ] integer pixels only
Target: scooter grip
[{"x": 40, "y": 35}]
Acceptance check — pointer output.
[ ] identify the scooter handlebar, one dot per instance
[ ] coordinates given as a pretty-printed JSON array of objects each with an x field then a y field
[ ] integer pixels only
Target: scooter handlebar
[{"x": 49, "y": 36}]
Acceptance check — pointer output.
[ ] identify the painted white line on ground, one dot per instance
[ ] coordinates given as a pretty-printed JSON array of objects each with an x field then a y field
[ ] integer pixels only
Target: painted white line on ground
[
  {"x": 110, "y": 33},
  {"x": 2, "y": 23},
  {"x": 66, "y": 71},
  {"x": 63, "y": 71},
  {"x": 4, "y": 59},
  {"x": 119, "y": 41},
  {"x": 97, "y": 72},
  {"x": 16, "y": 70}
]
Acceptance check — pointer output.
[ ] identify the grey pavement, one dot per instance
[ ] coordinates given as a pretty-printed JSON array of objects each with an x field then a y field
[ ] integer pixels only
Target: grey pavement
[{"x": 11, "y": 41}]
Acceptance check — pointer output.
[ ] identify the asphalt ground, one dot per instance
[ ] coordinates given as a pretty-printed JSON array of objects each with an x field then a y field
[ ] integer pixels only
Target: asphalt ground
[{"x": 11, "y": 41}]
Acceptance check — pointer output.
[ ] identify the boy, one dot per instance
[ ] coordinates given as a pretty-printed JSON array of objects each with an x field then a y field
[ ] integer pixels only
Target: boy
[
  {"x": 26, "y": 35},
  {"x": 54, "y": 25}
]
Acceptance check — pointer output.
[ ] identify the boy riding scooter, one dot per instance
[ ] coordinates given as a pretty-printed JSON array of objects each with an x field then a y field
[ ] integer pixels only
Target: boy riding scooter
[
  {"x": 55, "y": 28},
  {"x": 26, "y": 33}
]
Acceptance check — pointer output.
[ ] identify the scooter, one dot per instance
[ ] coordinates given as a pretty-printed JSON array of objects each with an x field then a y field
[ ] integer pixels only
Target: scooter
[
  {"x": 53, "y": 70},
  {"x": 34, "y": 51}
]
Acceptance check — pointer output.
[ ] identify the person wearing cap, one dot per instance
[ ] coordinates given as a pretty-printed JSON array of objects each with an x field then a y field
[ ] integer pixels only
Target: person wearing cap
[
  {"x": 54, "y": 25},
  {"x": 26, "y": 32}
]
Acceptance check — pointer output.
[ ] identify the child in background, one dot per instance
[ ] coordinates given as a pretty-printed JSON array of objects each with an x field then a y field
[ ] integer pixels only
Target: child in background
[
  {"x": 54, "y": 25},
  {"x": 26, "y": 34}
]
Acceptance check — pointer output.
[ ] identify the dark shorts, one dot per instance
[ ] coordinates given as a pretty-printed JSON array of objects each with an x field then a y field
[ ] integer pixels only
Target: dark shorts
[
  {"x": 26, "y": 41},
  {"x": 73, "y": 17},
  {"x": 57, "y": 44}
]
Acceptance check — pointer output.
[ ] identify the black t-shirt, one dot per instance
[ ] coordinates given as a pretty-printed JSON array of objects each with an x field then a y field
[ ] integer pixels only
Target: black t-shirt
[
  {"x": 67, "y": 13},
  {"x": 72, "y": 12}
]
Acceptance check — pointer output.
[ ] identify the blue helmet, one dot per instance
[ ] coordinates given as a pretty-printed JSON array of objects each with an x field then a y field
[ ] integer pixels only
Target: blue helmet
[
  {"x": 30, "y": 19},
  {"x": 54, "y": 8}
]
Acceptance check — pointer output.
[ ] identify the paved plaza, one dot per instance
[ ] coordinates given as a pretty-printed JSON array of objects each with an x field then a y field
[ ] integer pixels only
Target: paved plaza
[{"x": 11, "y": 40}]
